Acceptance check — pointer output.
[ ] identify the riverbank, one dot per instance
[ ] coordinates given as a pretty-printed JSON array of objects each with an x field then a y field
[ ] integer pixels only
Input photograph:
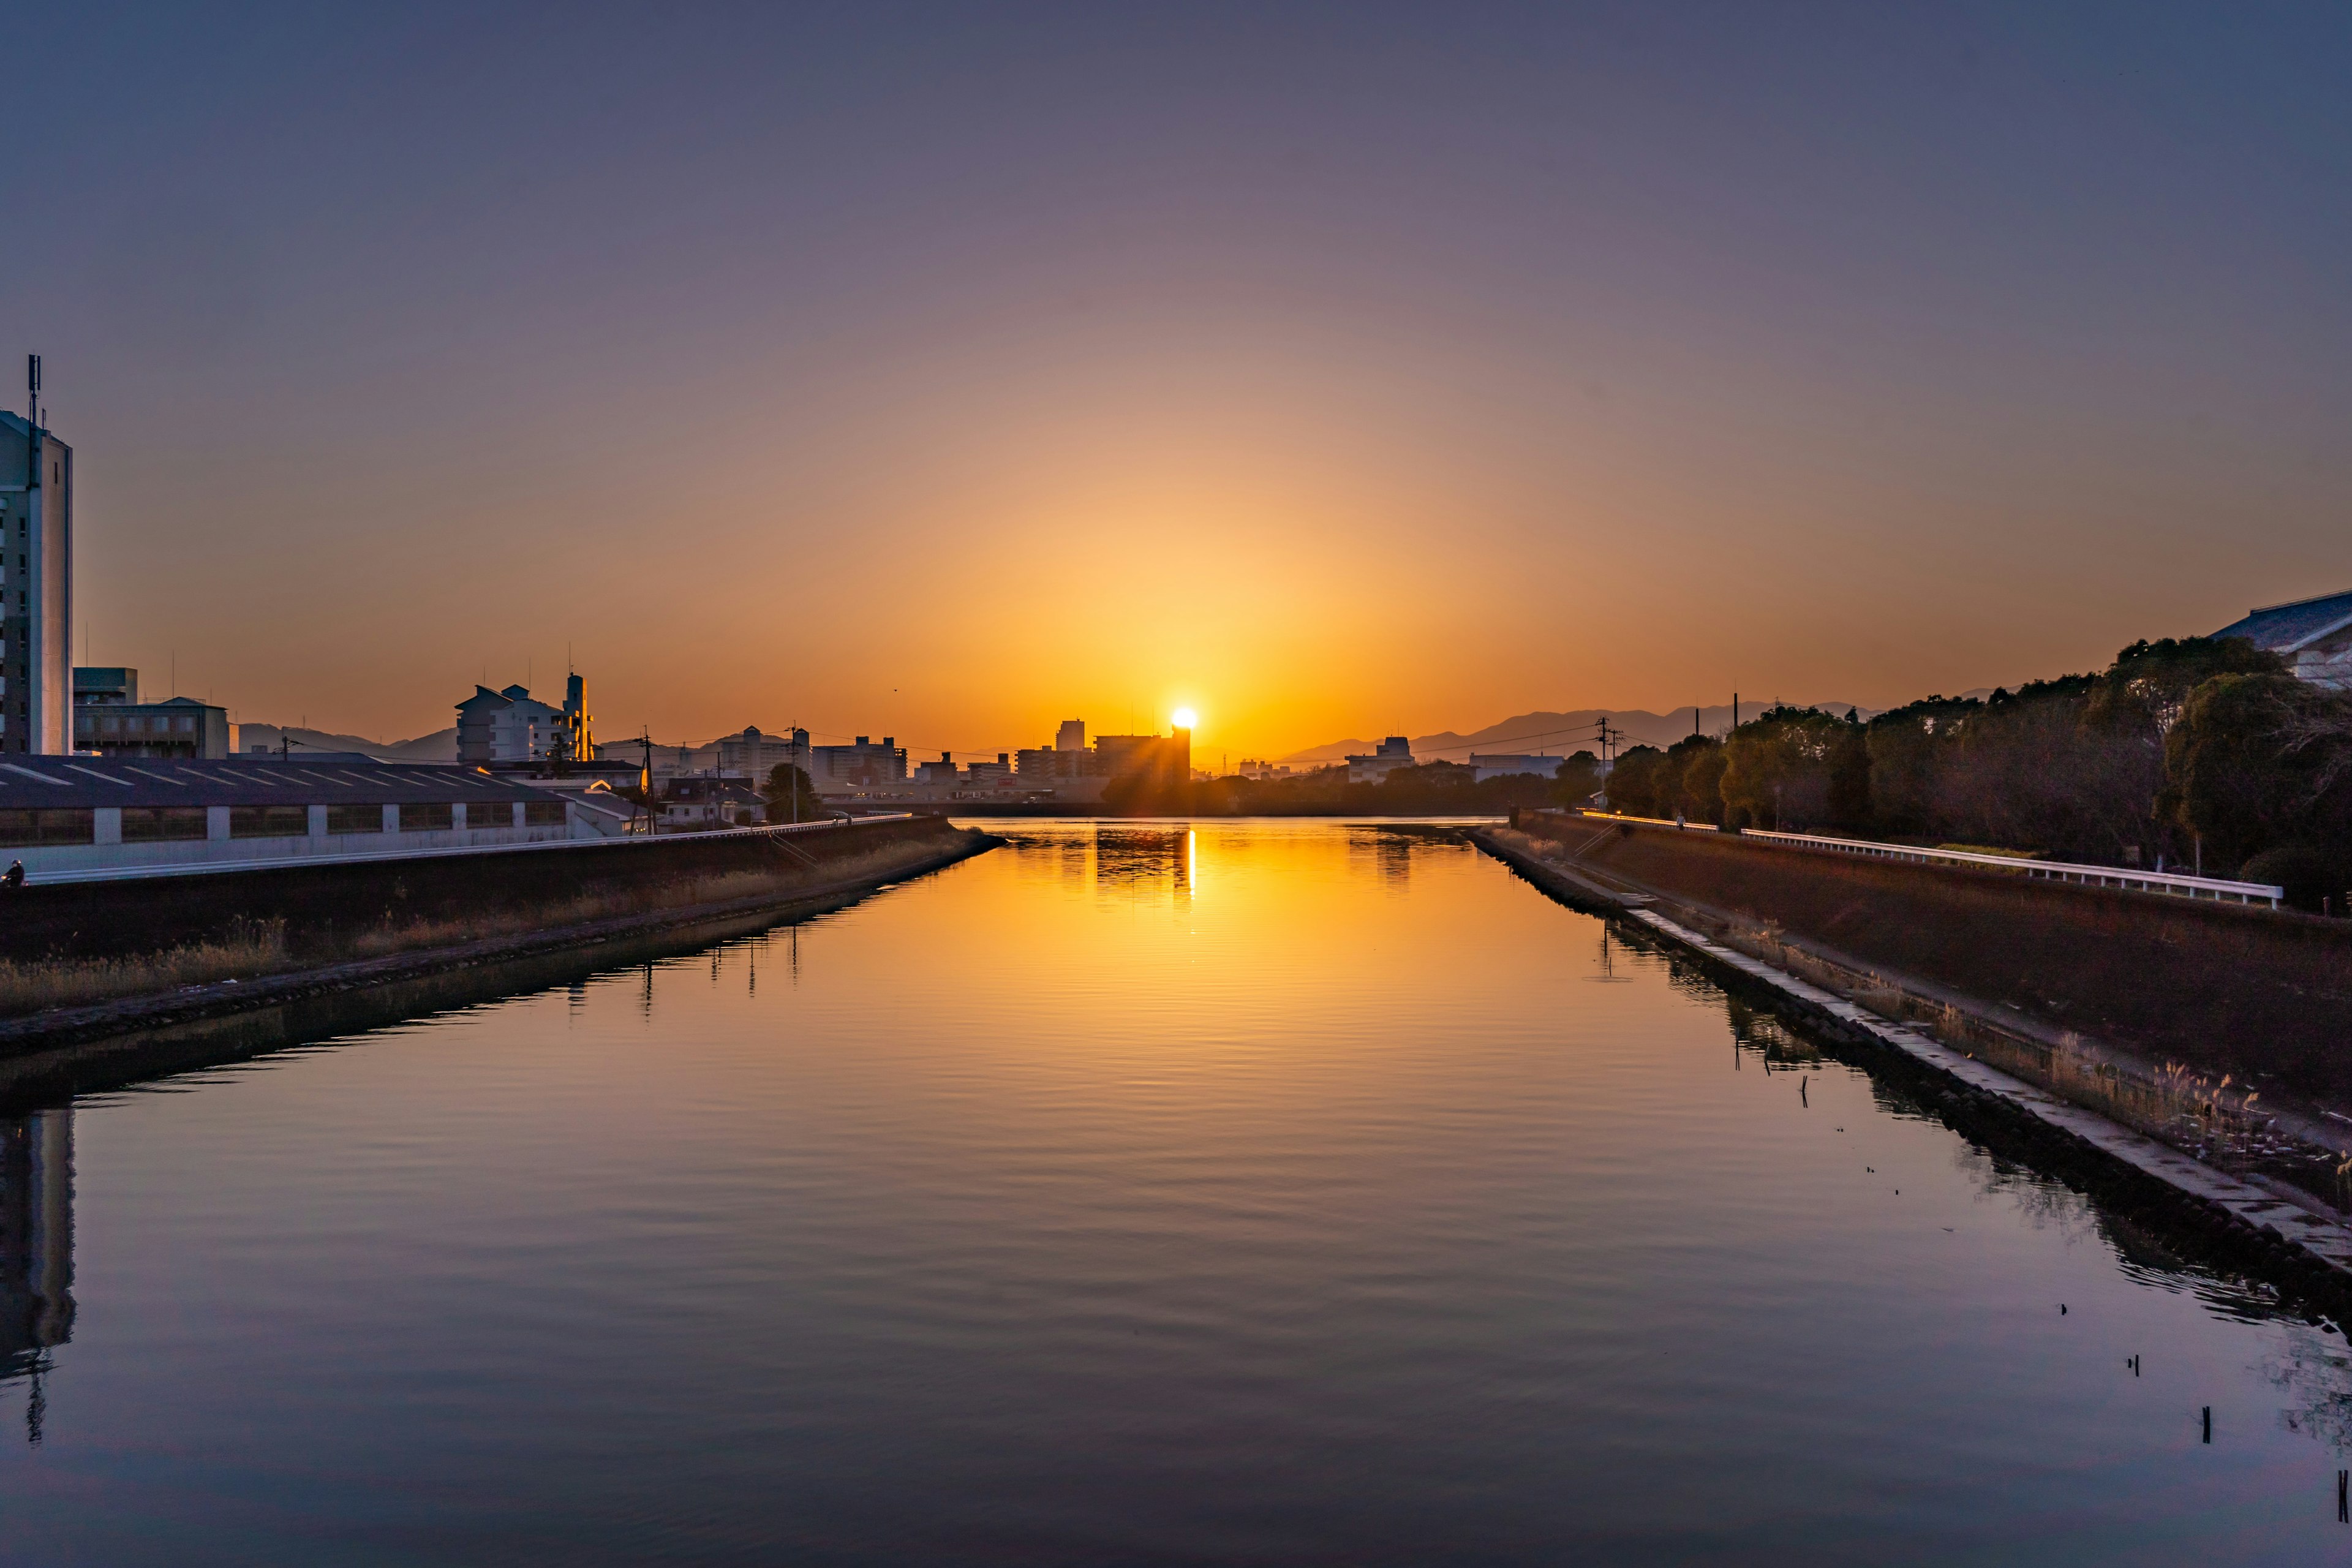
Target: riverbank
[
  {"x": 716, "y": 880},
  {"x": 2227, "y": 990},
  {"x": 2060, "y": 1118}
]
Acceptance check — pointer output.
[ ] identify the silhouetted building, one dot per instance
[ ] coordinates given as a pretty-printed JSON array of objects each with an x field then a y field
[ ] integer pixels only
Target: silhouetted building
[
  {"x": 177, "y": 727},
  {"x": 1390, "y": 755},
  {"x": 757, "y": 755},
  {"x": 105, "y": 686},
  {"x": 1071, "y": 736},
  {"x": 1164, "y": 758},
  {"x": 36, "y": 590},
  {"x": 863, "y": 762}
]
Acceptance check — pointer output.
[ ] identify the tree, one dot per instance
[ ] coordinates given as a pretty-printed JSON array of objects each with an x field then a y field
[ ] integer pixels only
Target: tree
[
  {"x": 790, "y": 797},
  {"x": 2230, "y": 778},
  {"x": 1634, "y": 782},
  {"x": 1849, "y": 786},
  {"x": 1776, "y": 768},
  {"x": 1696, "y": 761},
  {"x": 1577, "y": 777},
  {"x": 1906, "y": 747},
  {"x": 2148, "y": 686}
]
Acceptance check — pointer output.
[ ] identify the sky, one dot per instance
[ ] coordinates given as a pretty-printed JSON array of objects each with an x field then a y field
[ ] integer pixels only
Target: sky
[{"x": 945, "y": 372}]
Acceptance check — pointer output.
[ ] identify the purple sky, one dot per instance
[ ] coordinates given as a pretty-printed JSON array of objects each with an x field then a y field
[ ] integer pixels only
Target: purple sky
[{"x": 948, "y": 371}]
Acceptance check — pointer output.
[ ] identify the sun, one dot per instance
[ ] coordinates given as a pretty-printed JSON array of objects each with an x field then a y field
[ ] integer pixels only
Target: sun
[{"x": 1184, "y": 719}]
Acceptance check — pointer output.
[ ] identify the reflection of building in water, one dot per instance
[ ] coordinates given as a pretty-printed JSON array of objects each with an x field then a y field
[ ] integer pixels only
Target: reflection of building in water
[
  {"x": 37, "y": 1306},
  {"x": 1132, "y": 859},
  {"x": 1389, "y": 853}
]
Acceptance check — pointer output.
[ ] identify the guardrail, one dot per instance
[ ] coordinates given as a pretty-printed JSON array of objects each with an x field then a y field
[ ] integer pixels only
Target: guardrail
[{"x": 2165, "y": 883}]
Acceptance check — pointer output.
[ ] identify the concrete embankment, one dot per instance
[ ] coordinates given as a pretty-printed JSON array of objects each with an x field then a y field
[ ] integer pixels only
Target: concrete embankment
[
  {"x": 2243, "y": 1217},
  {"x": 322, "y": 905},
  {"x": 2222, "y": 987},
  {"x": 387, "y": 924}
]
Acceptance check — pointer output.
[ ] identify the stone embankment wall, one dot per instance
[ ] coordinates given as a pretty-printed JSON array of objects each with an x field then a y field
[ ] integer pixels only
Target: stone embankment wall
[
  {"x": 2222, "y": 987},
  {"x": 323, "y": 906}
]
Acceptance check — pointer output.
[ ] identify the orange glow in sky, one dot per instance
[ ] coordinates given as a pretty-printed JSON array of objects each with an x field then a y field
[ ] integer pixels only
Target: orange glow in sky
[{"x": 1338, "y": 380}]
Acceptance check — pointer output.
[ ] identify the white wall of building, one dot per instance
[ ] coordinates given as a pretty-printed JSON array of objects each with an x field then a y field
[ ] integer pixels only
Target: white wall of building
[{"x": 45, "y": 862}]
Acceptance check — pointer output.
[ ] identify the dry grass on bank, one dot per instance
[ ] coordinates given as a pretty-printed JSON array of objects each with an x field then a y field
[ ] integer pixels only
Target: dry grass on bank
[
  {"x": 2210, "y": 1114},
  {"x": 2217, "y": 1120},
  {"x": 260, "y": 948},
  {"x": 723, "y": 887}
]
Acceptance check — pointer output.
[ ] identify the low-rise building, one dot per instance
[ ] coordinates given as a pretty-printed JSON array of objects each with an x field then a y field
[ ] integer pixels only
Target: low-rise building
[
  {"x": 110, "y": 721},
  {"x": 703, "y": 802},
  {"x": 1394, "y": 753},
  {"x": 751, "y": 751},
  {"x": 756, "y": 755},
  {"x": 75, "y": 818},
  {"x": 1165, "y": 758},
  {"x": 843, "y": 769},
  {"x": 2313, "y": 635}
]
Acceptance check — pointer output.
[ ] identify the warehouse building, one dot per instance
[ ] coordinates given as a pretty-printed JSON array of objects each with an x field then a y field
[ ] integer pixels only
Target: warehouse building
[{"x": 93, "y": 819}]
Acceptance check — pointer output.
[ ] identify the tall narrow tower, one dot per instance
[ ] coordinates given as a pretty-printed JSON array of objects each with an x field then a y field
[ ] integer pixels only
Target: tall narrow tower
[
  {"x": 578, "y": 729},
  {"x": 35, "y": 581}
]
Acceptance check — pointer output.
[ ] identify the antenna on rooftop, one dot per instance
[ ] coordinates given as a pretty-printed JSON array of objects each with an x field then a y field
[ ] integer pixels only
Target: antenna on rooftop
[{"x": 32, "y": 389}]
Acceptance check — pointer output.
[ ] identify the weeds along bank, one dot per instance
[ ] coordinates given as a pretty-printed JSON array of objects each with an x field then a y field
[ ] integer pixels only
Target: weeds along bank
[
  {"x": 2225, "y": 990},
  {"x": 75, "y": 943}
]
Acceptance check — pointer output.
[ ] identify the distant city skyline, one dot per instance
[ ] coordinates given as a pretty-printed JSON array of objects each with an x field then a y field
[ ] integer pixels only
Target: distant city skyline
[{"x": 1333, "y": 374}]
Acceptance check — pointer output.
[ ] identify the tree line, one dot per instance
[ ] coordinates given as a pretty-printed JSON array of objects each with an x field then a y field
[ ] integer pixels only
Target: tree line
[{"x": 2187, "y": 753}]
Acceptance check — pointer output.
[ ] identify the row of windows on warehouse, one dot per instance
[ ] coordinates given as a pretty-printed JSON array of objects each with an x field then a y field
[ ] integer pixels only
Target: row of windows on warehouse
[{"x": 147, "y": 824}]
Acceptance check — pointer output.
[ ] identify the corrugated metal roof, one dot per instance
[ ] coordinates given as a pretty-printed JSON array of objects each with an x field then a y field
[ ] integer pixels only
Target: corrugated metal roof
[
  {"x": 68, "y": 781},
  {"x": 2283, "y": 629}
]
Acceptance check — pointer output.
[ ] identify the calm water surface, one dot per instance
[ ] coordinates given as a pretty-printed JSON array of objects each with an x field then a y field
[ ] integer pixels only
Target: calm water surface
[{"x": 1249, "y": 1192}]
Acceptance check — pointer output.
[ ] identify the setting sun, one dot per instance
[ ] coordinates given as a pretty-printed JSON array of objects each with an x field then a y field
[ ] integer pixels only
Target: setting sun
[{"x": 1184, "y": 719}]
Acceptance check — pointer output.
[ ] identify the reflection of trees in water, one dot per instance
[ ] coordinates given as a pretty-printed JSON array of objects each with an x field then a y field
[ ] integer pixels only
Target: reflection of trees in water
[
  {"x": 2163, "y": 1257},
  {"x": 1764, "y": 1035},
  {"x": 37, "y": 1305}
]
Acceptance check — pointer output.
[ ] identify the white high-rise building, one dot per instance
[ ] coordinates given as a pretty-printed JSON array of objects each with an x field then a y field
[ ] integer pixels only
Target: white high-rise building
[
  {"x": 36, "y": 590},
  {"x": 513, "y": 726}
]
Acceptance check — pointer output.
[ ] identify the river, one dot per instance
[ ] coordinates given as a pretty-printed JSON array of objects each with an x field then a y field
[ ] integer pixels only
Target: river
[{"x": 1285, "y": 1192}]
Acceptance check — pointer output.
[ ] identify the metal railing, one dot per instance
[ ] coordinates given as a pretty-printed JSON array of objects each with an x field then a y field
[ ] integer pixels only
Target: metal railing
[{"x": 2122, "y": 877}]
